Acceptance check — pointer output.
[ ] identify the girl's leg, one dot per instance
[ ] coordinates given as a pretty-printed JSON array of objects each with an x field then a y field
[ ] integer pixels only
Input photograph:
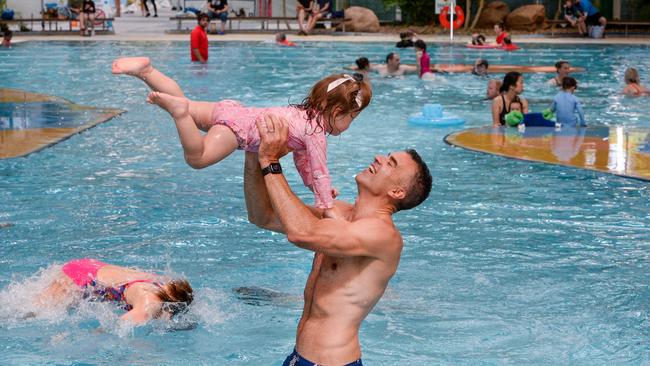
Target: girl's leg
[
  {"x": 141, "y": 68},
  {"x": 155, "y": 10},
  {"x": 200, "y": 150}
]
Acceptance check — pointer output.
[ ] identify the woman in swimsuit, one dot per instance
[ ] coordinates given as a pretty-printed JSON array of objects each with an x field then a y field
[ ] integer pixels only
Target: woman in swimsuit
[
  {"x": 633, "y": 87},
  {"x": 512, "y": 87},
  {"x": 145, "y": 295}
]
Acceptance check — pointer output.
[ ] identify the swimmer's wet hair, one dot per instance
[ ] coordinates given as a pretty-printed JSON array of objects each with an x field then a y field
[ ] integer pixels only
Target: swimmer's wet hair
[
  {"x": 281, "y": 36},
  {"x": 177, "y": 295},
  {"x": 420, "y": 186},
  {"x": 558, "y": 65},
  {"x": 509, "y": 80},
  {"x": 321, "y": 105},
  {"x": 420, "y": 44},
  {"x": 390, "y": 56},
  {"x": 632, "y": 76},
  {"x": 362, "y": 63}
]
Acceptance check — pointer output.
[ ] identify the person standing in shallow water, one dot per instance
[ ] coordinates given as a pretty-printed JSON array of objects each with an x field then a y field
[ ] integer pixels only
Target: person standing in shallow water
[
  {"x": 356, "y": 255},
  {"x": 199, "y": 40}
]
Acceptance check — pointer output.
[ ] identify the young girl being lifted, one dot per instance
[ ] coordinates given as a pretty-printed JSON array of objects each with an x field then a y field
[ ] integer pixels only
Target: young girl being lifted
[{"x": 330, "y": 107}]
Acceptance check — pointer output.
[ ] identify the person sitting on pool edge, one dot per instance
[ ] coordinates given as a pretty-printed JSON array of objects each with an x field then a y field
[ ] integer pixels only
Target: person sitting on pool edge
[
  {"x": 145, "y": 296},
  {"x": 355, "y": 256},
  {"x": 567, "y": 106},
  {"x": 480, "y": 67},
  {"x": 563, "y": 69},
  {"x": 511, "y": 88},
  {"x": 392, "y": 67},
  {"x": 633, "y": 87},
  {"x": 574, "y": 17},
  {"x": 591, "y": 16}
]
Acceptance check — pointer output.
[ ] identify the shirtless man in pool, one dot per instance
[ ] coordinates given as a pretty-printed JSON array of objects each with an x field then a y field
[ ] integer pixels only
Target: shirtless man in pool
[
  {"x": 392, "y": 67},
  {"x": 355, "y": 256}
]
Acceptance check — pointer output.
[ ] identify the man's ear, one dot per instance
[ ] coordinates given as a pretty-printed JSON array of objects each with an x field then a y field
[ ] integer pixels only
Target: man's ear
[{"x": 397, "y": 193}]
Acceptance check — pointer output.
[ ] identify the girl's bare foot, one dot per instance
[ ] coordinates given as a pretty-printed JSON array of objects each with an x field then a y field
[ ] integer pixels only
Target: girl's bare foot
[
  {"x": 135, "y": 66},
  {"x": 177, "y": 107}
]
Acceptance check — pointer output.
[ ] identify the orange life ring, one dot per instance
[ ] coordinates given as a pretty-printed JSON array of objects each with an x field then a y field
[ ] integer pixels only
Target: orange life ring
[{"x": 459, "y": 17}]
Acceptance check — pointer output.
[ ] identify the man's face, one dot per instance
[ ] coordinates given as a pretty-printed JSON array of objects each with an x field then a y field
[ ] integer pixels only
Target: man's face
[
  {"x": 386, "y": 173},
  {"x": 204, "y": 22},
  {"x": 481, "y": 69},
  {"x": 394, "y": 62}
]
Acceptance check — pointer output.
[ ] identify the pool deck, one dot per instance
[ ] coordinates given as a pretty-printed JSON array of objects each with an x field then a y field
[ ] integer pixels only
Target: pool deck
[{"x": 133, "y": 27}]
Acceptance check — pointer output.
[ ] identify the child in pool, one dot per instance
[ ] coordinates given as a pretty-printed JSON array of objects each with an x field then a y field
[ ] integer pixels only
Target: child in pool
[
  {"x": 422, "y": 60},
  {"x": 330, "y": 107},
  {"x": 567, "y": 106},
  {"x": 633, "y": 87}
]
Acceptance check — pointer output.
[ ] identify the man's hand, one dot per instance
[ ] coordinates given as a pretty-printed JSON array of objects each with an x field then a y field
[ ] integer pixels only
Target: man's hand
[{"x": 274, "y": 132}]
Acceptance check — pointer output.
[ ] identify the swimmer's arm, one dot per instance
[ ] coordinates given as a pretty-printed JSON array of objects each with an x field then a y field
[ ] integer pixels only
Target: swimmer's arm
[
  {"x": 136, "y": 316},
  {"x": 496, "y": 110},
  {"x": 581, "y": 114},
  {"x": 409, "y": 68}
]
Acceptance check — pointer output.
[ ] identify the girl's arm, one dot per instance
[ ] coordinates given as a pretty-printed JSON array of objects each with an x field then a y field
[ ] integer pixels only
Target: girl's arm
[{"x": 316, "y": 166}]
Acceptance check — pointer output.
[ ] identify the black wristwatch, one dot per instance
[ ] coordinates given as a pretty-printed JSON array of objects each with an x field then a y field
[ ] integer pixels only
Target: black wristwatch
[{"x": 273, "y": 168}]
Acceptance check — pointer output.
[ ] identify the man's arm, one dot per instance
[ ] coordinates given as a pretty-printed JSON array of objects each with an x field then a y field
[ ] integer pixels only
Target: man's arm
[
  {"x": 409, "y": 68},
  {"x": 336, "y": 237},
  {"x": 197, "y": 53},
  {"x": 258, "y": 204}
]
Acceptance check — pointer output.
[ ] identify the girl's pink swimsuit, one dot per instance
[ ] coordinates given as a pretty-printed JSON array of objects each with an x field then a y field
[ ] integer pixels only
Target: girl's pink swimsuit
[{"x": 308, "y": 142}]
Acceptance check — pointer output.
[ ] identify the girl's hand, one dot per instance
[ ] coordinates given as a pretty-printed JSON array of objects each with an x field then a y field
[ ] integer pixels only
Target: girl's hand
[{"x": 335, "y": 192}]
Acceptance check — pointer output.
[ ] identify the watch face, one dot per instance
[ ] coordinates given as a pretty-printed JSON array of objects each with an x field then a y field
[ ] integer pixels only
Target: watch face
[{"x": 275, "y": 168}]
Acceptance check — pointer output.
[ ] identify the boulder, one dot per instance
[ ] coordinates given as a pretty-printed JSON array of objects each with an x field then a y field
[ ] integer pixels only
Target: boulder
[
  {"x": 358, "y": 19},
  {"x": 528, "y": 18},
  {"x": 494, "y": 13}
]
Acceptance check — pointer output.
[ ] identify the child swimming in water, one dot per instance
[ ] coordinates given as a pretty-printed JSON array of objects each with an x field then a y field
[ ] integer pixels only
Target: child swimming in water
[{"x": 330, "y": 107}]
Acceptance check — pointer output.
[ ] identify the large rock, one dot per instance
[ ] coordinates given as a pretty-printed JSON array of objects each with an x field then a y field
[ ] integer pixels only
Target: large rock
[
  {"x": 527, "y": 17},
  {"x": 494, "y": 13},
  {"x": 358, "y": 19}
]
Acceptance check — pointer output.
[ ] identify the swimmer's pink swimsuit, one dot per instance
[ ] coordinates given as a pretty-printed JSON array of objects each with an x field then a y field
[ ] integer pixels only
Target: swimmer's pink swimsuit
[
  {"x": 83, "y": 272},
  {"x": 425, "y": 64},
  {"x": 309, "y": 143}
]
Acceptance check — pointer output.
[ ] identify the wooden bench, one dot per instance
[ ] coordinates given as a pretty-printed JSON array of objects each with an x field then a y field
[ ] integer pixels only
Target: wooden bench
[
  {"x": 48, "y": 24},
  {"x": 614, "y": 23},
  {"x": 265, "y": 22}
]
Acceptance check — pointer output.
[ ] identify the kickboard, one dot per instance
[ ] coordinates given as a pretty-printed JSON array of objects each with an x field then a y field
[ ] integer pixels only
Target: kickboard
[
  {"x": 30, "y": 122},
  {"x": 615, "y": 150}
]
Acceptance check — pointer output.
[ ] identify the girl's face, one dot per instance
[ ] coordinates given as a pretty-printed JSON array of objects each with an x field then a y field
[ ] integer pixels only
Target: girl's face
[
  {"x": 515, "y": 107},
  {"x": 340, "y": 123}
]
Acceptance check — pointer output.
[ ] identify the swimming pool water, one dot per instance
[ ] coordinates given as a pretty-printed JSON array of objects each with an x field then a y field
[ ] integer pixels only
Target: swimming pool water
[{"x": 508, "y": 262}]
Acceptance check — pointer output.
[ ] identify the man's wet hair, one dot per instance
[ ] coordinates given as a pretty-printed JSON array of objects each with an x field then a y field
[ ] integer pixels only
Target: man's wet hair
[
  {"x": 390, "y": 56},
  {"x": 482, "y": 62},
  {"x": 202, "y": 16},
  {"x": 420, "y": 184}
]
